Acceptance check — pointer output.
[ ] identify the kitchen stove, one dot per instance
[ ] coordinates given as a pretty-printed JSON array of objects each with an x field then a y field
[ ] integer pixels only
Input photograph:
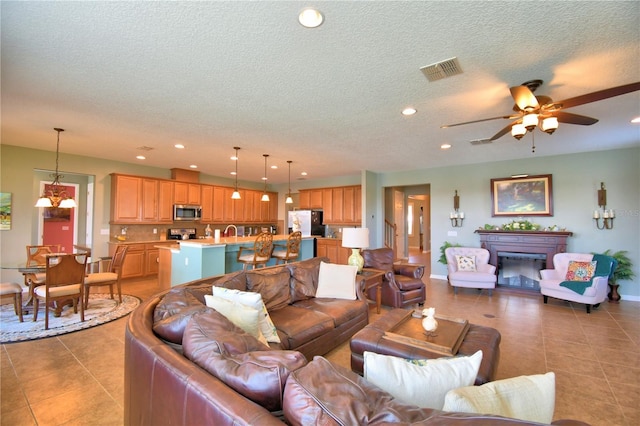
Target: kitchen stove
[{"x": 181, "y": 234}]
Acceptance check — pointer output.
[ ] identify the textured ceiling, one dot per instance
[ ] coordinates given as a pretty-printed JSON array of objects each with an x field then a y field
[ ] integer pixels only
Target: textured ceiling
[{"x": 214, "y": 75}]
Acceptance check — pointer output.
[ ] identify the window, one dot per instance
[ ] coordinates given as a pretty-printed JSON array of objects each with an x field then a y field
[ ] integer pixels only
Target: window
[{"x": 410, "y": 219}]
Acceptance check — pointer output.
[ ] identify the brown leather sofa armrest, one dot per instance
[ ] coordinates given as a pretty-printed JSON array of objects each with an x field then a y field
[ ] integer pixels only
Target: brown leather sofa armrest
[{"x": 413, "y": 270}]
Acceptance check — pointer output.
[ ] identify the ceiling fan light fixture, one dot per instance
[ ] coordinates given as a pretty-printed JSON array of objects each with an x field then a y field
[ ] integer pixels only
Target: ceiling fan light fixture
[
  {"x": 530, "y": 121},
  {"x": 549, "y": 125},
  {"x": 518, "y": 131}
]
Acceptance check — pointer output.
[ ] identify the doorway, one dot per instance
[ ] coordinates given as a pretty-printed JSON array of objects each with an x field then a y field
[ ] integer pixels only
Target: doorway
[{"x": 409, "y": 208}]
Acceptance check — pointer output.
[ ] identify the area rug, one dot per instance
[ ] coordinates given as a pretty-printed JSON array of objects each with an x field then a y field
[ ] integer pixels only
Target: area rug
[{"x": 100, "y": 309}]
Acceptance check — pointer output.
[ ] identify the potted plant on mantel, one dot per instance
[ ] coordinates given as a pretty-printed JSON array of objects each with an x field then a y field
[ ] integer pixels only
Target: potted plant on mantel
[{"x": 623, "y": 271}]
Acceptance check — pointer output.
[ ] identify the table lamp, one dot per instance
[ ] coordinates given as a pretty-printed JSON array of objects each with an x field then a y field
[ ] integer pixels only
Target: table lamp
[{"x": 355, "y": 239}]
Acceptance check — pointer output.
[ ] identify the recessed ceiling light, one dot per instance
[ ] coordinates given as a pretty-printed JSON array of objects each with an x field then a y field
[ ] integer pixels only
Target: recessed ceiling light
[
  {"x": 179, "y": 146},
  {"x": 409, "y": 111},
  {"x": 303, "y": 173},
  {"x": 636, "y": 120},
  {"x": 233, "y": 173},
  {"x": 193, "y": 166},
  {"x": 445, "y": 146},
  {"x": 310, "y": 17},
  {"x": 274, "y": 167},
  {"x": 141, "y": 157}
]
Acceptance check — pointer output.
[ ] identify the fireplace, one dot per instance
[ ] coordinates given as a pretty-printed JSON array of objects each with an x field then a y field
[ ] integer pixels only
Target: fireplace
[
  {"x": 520, "y": 270},
  {"x": 519, "y": 255}
]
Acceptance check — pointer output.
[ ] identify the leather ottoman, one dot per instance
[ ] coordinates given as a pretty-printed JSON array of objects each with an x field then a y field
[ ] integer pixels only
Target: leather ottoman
[{"x": 372, "y": 339}]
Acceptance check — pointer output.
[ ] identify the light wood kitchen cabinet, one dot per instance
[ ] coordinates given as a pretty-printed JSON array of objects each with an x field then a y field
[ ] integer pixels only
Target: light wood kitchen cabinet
[
  {"x": 311, "y": 199},
  {"x": 126, "y": 198},
  {"x": 206, "y": 198},
  {"x": 136, "y": 199},
  {"x": 157, "y": 201},
  {"x": 342, "y": 205},
  {"x": 186, "y": 193},
  {"x": 134, "y": 260},
  {"x": 337, "y": 205},
  {"x": 142, "y": 259},
  {"x": 218, "y": 203},
  {"x": 228, "y": 210},
  {"x": 332, "y": 248},
  {"x": 165, "y": 202}
]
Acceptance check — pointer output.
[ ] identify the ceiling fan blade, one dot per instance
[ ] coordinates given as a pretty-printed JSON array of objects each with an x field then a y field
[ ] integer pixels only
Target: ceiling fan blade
[
  {"x": 524, "y": 98},
  {"x": 599, "y": 95},
  {"x": 501, "y": 133},
  {"x": 508, "y": 117},
  {"x": 567, "y": 117}
]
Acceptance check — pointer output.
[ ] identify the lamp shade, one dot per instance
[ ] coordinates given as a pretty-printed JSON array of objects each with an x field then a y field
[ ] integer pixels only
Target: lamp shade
[{"x": 355, "y": 237}]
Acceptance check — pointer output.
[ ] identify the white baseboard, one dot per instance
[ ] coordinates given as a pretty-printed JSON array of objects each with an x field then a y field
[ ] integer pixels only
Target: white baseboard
[{"x": 438, "y": 277}]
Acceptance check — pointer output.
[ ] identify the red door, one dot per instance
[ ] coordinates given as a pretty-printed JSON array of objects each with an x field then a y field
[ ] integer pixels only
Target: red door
[{"x": 58, "y": 224}]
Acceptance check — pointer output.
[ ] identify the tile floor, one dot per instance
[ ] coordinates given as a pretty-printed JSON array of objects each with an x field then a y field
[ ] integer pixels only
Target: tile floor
[{"x": 77, "y": 379}]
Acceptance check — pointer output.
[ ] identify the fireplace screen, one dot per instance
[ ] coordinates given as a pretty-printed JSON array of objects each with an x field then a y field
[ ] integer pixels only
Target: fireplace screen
[{"x": 520, "y": 270}]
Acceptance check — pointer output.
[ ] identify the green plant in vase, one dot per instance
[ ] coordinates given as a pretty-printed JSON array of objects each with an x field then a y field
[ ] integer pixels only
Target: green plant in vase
[{"x": 623, "y": 271}]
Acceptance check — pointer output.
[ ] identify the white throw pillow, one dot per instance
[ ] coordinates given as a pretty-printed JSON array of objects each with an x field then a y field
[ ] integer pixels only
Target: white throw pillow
[
  {"x": 337, "y": 281},
  {"x": 253, "y": 300},
  {"x": 530, "y": 398},
  {"x": 421, "y": 385},
  {"x": 243, "y": 316}
]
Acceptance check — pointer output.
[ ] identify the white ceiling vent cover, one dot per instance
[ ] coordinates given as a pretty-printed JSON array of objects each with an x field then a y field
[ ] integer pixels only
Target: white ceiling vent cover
[{"x": 442, "y": 69}]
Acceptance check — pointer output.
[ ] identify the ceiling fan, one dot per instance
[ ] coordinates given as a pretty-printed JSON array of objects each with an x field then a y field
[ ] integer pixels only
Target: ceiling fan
[{"x": 542, "y": 111}]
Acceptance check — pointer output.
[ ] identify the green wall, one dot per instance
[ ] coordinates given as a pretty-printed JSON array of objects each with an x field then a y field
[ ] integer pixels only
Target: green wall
[{"x": 576, "y": 179}]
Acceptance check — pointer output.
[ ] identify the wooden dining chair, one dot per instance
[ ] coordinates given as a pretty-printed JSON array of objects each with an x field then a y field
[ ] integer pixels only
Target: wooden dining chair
[
  {"x": 64, "y": 282},
  {"x": 290, "y": 250},
  {"x": 110, "y": 278},
  {"x": 36, "y": 256},
  {"x": 259, "y": 254}
]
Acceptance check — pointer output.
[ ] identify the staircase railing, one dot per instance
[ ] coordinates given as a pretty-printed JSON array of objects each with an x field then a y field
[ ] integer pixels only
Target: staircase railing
[{"x": 391, "y": 237}]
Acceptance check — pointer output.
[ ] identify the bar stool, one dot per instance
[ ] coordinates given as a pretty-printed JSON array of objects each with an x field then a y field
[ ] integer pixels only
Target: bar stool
[{"x": 15, "y": 291}]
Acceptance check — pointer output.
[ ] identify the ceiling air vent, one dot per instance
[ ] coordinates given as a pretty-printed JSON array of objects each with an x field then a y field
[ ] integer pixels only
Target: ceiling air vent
[
  {"x": 442, "y": 69},
  {"x": 145, "y": 148}
]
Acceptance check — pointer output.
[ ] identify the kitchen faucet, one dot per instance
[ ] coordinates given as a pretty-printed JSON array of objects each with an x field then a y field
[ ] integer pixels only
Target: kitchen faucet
[{"x": 231, "y": 226}]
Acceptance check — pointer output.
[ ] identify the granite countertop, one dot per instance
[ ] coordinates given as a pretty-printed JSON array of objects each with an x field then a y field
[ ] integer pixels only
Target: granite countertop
[{"x": 207, "y": 241}]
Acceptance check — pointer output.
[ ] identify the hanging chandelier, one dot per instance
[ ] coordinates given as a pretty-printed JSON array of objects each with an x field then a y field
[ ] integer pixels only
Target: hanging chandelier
[
  {"x": 56, "y": 196},
  {"x": 265, "y": 196},
  {"x": 289, "y": 200},
  {"x": 236, "y": 193}
]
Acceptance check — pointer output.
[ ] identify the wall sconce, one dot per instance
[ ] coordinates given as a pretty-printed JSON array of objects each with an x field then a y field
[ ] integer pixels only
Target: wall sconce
[
  {"x": 456, "y": 215},
  {"x": 607, "y": 216}
]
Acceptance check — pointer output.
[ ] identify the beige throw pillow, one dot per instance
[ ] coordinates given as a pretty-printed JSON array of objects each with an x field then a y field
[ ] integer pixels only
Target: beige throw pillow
[
  {"x": 422, "y": 385},
  {"x": 530, "y": 398},
  {"x": 243, "y": 316},
  {"x": 337, "y": 281}
]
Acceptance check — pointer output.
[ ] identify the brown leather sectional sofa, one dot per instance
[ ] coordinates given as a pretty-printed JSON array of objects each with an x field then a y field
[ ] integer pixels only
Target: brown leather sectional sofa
[{"x": 186, "y": 364}]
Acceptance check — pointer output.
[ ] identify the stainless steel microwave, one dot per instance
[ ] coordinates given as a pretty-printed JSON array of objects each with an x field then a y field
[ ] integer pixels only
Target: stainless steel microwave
[{"x": 186, "y": 212}]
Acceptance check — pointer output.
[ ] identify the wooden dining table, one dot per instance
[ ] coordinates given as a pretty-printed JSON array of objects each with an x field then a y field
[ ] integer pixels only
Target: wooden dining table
[{"x": 93, "y": 265}]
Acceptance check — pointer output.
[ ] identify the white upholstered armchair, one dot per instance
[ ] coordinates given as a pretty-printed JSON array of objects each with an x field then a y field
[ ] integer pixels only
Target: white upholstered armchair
[
  {"x": 469, "y": 267},
  {"x": 554, "y": 281}
]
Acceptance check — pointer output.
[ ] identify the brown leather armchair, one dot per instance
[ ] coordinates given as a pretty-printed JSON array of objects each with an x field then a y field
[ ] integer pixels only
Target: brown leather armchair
[{"x": 402, "y": 285}]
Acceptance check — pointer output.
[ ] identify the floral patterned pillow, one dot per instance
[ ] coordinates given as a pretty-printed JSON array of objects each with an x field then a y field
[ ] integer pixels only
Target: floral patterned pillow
[
  {"x": 466, "y": 263},
  {"x": 580, "y": 271}
]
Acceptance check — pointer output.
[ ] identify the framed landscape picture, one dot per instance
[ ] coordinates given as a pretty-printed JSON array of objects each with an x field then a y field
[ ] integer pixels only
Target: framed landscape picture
[
  {"x": 5, "y": 211},
  {"x": 522, "y": 196}
]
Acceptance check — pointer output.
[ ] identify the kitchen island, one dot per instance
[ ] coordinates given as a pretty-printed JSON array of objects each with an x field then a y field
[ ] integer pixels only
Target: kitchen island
[{"x": 190, "y": 260}]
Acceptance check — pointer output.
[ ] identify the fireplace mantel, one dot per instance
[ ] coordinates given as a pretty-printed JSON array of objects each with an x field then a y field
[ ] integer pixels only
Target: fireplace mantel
[{"x": 541, "y": 242}]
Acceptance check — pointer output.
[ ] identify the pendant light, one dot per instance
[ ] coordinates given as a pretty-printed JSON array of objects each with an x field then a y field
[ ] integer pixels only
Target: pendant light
[
  {"x": 289, "y": 200},
  {"x": 236, "y": 194},
  {"x": 265, "y": 196},
  {"x": 57, "y": 196}
]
